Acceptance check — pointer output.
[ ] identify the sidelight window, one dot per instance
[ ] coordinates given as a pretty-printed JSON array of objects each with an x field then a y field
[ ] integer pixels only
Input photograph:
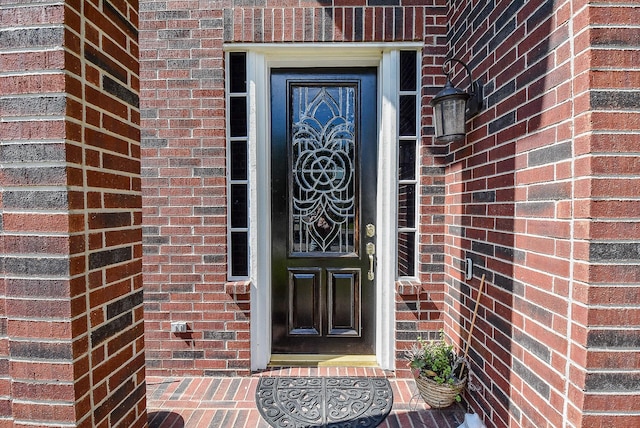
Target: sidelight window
[
  {"x": 408, "y": 126},
  {"x": 237, "y": 161}
]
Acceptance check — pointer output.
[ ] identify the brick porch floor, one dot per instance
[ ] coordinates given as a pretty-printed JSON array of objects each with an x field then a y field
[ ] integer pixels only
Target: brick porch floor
[{"x": 229, "y": 402}]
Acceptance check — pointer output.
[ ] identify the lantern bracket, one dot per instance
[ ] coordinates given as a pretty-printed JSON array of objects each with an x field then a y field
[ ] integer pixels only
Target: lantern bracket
[{"x": 475, "y": 91}]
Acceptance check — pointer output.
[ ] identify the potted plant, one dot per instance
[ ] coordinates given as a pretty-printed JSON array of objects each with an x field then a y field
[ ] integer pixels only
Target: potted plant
[{"x": 440, "y": 373}]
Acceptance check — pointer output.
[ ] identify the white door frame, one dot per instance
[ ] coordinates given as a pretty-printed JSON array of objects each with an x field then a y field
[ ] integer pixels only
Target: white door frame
[{"x": 260, "y": 59}]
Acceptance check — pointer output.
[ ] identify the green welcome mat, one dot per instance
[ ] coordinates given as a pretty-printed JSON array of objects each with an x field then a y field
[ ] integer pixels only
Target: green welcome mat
[{"x": 336, "y": 402}]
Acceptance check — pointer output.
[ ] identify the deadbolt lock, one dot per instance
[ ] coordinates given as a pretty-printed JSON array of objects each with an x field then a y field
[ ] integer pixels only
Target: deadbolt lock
[{"x": 371, "y": 230}]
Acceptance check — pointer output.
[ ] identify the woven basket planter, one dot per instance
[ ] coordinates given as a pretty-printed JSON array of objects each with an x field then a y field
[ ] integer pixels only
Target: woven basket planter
[{"x": 438, "y": 395}]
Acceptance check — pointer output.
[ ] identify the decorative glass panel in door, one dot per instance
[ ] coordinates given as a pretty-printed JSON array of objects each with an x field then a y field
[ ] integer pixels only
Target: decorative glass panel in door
[{"x": 323, "y": 163}]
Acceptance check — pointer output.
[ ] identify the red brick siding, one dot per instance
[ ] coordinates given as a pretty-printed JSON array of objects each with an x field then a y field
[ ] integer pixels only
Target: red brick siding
[
  {"x": 72, "y": 341},
  {"x": 184, "y": 177},
  {"x": 419, "y": 306},
  {"x": 607, "y": 311},
  {"x": 531, "y": 196},
  {"x": 343, "y": 22},
  {"x": 509, "y": 192},
  {"x": 184, "y": 195},
  {"x": 530, "y": 200},
  {"x": 35, "y": 222},
  {"x": 107, "y": 86}
]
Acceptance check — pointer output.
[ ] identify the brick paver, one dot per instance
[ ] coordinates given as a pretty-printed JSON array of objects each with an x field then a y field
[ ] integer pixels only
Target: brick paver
[{"x": 229, "y": 402}]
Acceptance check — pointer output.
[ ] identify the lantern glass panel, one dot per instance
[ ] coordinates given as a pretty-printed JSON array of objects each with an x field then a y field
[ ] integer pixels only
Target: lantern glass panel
[{"x": 450, "y": 119}]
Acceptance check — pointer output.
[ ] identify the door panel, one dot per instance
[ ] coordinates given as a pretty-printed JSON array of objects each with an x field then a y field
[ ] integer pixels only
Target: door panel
[
  {"x": 344, "y": 302},
  {"x": 304, "y": 299},
  {"x": 323, "y": 163}
]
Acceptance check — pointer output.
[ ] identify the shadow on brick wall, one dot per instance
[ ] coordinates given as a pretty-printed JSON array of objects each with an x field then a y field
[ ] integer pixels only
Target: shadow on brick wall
[{"x": 501, "y": 206}]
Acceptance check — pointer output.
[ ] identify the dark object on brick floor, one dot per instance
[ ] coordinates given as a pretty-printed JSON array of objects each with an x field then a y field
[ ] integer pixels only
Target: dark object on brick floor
[{"x": 324, "y": 401}]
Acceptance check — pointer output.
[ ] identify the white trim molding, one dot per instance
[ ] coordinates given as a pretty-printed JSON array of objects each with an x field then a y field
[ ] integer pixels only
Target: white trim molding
[{"x": 261, "y": 58}]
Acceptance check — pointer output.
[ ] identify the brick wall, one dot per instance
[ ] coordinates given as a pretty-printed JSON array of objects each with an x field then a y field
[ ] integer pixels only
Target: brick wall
[
  {"x": 37, "y": 352},
  {"x": 72, "y": 351},
  {"x": 541, "y": 197},
  {"x": 538, "y": 196},
  {"x": 184, "y": 194},
  {"x": 605, "y": 368},
  {"x": 184, "y": 176},
  {"x": 509, "y": 191},
  {"x": 420, "y": 306}
]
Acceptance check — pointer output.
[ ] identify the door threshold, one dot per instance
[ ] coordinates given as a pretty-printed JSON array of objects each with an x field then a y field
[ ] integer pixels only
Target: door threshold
[{"x": 322, "y": 360}]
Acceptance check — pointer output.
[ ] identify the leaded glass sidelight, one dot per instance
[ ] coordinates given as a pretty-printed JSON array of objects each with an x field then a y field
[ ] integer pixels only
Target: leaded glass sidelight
[{"x": 323, "y": 169}]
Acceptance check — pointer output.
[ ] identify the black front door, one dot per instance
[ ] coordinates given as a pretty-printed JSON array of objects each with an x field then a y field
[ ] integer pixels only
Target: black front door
[{"x": 323, "y": 163}]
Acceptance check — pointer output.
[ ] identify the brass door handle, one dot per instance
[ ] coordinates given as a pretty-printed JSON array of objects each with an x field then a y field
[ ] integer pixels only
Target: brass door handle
[{"x": 371, "y": 250}]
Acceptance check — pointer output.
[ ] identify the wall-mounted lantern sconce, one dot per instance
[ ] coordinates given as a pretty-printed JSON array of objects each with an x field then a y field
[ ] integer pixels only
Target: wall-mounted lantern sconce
[{"x": 452, "y": 107}]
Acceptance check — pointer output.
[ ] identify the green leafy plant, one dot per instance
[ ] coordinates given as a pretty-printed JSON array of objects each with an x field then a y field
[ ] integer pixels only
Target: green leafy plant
[{"x": 435, "y": 359}]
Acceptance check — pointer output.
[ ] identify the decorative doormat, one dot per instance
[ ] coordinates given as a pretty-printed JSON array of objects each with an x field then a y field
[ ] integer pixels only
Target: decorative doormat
[{"x": 336, "y": 402}]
